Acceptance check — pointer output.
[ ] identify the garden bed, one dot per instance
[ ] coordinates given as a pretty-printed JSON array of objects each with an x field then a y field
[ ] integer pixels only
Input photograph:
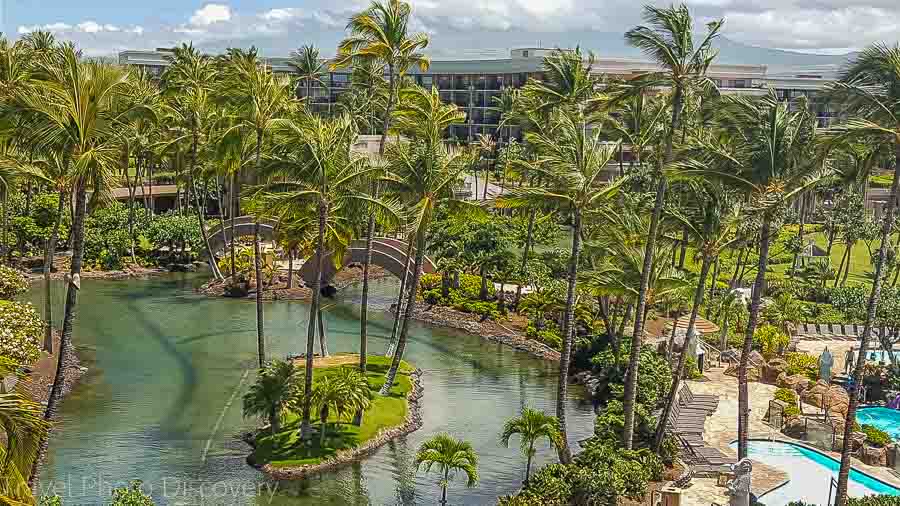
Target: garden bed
[
  {"x": 347, "y": 276},
  {"x": 488, "y": 329},
  {"x": 285, "y": 457}
]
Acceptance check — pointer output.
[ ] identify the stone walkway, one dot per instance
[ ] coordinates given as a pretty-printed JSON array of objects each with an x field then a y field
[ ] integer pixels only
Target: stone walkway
[{"x": 721, "y": 430}]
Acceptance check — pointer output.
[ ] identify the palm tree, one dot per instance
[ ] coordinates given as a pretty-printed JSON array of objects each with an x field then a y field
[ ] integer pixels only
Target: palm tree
[
  {"x": 769, "y": 153},
  {"x": 450, "y": 455},
  {"x": 344, "y": 392},
  {"x": 570, "y": 163},
  {"x": 260, "y": 100},
  {"x": 75, "y": 107},
  {"x": 870, "y": 88},
  {"x": 713, "y": 225},
  {"x": 380, "y": 35},
  {"x": 188, "y": 83},
  {"x": 668, "y": 39},
  {"x": 309, "y": 69},
  {"x": 271, "y": 395},
  {"x": 425, "y": 172},
  {"x": 22, "y": 428},
  {"x": 318, "y": 187},
  {"x": 531, "y": 426}
]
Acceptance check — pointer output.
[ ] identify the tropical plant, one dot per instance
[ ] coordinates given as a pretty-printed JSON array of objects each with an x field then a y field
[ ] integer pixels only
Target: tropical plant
[
  {"x": 668, "y": 39},
  {"x": 132, "y": 495},
  {"x": 870, "y": 89},
  {"x": 424, "y": 171},
  {"x": 450, "y": 456},
  {"x": 22, "y": 427},
  {"x": 531, "y": 426},
  {"x": 343, "y": 393},
  {"x": 310, "y": 70},
  {"x": 273, "y": 392},
  {"x": 570, "y": 163},
  {"x": 317, "y": 191},
  {"x": 12, "y": 283}
]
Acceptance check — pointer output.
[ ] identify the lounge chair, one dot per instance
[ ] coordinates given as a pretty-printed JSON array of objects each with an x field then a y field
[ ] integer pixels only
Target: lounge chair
[{"x": 707, "y": 402}]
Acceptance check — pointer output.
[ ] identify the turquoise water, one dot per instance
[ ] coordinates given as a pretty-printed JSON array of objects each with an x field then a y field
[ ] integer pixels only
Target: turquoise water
[
  {"x": 810, "y": 474},
  {"x": 885, "y": 419},
  {"x": 162, "y": 401}
]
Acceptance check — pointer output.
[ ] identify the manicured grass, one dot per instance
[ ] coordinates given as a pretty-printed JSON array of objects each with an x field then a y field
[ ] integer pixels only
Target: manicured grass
[{"x": 286, "y": 449}]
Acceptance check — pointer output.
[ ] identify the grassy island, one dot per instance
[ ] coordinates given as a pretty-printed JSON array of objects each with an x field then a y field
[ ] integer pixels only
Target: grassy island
[{"x": 286, "y": 449}]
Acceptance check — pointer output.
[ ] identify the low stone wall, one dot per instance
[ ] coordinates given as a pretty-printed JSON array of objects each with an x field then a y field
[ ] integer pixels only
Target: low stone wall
[
  {"x": 493, "y": 331},
  {"x": 413, "y": 423}
]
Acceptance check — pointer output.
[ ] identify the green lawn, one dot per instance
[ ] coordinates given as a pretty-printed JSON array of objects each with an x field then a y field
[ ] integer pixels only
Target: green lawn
[{"x": 286, "y": 449}]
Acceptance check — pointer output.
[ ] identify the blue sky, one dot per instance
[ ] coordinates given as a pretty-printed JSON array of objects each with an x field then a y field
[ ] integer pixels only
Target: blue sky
[{"x": 106, "y": 26}]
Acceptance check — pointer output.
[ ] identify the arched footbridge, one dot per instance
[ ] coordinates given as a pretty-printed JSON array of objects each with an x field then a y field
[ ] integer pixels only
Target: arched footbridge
[{"x": 388, "y": 253}]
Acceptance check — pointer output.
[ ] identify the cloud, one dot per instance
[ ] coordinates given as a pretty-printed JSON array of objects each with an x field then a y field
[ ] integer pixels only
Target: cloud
[
  {"x": 211, "y": 13},
  {"x": 805, "y": 25}
]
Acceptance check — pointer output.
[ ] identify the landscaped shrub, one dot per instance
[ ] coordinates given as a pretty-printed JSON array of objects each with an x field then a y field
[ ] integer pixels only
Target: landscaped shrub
[
  {"x": 131, "y": 495},
  {"x": 549, "y": 335},
  {"x": 770, "y": 339},
  {"x": 875, "y": 436},
  {"x": 653, "y": 382},
  {"x": 874, "y": 500},
  {"x": 786, "y": 395},
  {"x": 21, "y": 331},
  {"x": 802, "y": 363},
  {"x": 691, "y": 371},
  {"x": 465, "y": 298},
  {"x": 12, "y": 283}
]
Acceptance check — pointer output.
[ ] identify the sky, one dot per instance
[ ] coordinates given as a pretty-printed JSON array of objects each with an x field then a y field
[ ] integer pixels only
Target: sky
[{"x": 104, "y": 27}]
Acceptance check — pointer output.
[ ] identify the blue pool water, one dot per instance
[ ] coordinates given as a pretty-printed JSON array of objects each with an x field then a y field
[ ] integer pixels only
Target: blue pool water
[
  {"x": 810, "y": 474},
  {"x": 885, "y": 419}
]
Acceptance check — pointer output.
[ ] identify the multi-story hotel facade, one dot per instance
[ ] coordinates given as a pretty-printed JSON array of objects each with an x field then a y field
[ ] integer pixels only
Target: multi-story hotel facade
[{"x": 474, "y": 84}]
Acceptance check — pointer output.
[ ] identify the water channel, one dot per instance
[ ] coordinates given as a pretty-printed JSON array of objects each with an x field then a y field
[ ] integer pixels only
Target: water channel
[{"x": 162, "y": 400}]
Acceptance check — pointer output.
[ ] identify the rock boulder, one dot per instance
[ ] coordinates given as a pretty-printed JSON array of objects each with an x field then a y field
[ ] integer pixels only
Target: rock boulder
[{"x": 775, "y": 368}]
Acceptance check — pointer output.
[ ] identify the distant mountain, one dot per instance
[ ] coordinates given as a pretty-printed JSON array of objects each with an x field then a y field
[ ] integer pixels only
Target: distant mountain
[{"x": 612, "y": 45}]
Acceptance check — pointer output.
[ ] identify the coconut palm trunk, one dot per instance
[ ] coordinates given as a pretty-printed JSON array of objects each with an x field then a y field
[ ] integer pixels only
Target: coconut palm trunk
[
  {"x": 407, "y": 315},
  {"x": 48, "y": 269},
  {"x": 565, "y": 454},
  {"x": 235, "y": 210},
  {"x": 257, "y": 264},
  {"x": 528, "y": 239},
  {"x": 640, "y": 312},
  {"x": 201, "y": 213},
  {"x": 399, "y": 312},
  {"x": 65, "y": 341},
  {"x": 755, "y": 304},
  {"x": 311, "y": 324},
  {"x": 679, "y": 370},
  {"x": 844, "y": 471},
  {"x": 290, "y": 280}
]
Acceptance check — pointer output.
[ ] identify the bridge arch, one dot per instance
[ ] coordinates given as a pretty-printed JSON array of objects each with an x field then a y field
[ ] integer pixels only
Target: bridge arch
[{"x": 388, "y": 253}]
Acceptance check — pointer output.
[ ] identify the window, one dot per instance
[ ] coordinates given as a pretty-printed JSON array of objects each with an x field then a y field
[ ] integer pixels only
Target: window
[{"x": 524, "y": 54}]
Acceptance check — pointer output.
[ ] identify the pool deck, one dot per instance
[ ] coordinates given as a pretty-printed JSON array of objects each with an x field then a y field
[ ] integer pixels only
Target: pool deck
[{"x": 721, "y": 430}]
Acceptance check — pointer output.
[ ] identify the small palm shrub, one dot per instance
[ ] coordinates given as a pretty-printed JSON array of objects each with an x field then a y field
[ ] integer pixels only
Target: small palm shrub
[
  {"x": 769, "y": 339},
  {"x": 12, "y": 283}
]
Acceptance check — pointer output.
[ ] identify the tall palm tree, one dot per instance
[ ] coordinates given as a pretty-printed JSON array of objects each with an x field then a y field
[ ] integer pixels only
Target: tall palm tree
[
  {"x": 768, "y": 152},
  {"x": 271, "y": 395},
  {"x": 571, "y": 163},
  {"x": 380, "y": 34},
  {"x": 870, "y": 88},
  {"x": 318, "y": 187},
  {"x": 260, "y": 99},
  {"x": 450, "y": 455},
  {"x": 75, "y": 108},
  {"x": 310, "y": 69},
  {"x": 22, "y": 428},
  {"x": 713, "y": 226},
  {"x": 531, "y": 426},
  {"x": 188, "y": 83},
  {"x": 668, "y": 39},
  {"x": 425, "y": 171}
]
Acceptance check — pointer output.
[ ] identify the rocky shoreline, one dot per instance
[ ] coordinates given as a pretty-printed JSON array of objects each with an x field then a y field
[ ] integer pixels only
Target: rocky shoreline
[
  {"x": 43, "y": 372},
  {"x": 350, "y": 275},
  {"x": 490, "y": 330},
  {"x": 413, "y": 423}
]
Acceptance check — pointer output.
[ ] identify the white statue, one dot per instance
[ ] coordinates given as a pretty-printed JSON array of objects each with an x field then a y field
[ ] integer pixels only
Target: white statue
[
  {"x": 826, "y": 361},
  {"x": 739, "y": 487}
]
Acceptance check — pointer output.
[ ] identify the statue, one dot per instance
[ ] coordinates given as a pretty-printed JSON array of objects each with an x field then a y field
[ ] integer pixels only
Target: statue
[
  {"x": 826, "y": 361},
  {"x": 739, "y": 487}
]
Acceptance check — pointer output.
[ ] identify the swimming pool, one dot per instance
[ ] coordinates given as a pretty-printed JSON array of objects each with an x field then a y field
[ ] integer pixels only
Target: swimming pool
[
  {"x": 885, "y": 419},
  {"x": 810, "y": 474}
]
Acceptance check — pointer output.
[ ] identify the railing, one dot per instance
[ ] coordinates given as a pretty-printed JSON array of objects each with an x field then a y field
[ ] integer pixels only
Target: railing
[{"x": 833, "y": 485}]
